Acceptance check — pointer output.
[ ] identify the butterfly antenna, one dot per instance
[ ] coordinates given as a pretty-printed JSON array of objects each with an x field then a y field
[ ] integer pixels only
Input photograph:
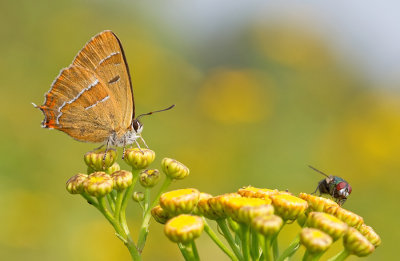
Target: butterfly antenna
[
  {"x": 150, "y": 113},
  {"x": 318, "y": 171}
]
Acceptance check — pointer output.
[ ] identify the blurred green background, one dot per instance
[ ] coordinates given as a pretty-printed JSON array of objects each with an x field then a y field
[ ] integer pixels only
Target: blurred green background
[{"x": 262, "y": 89}]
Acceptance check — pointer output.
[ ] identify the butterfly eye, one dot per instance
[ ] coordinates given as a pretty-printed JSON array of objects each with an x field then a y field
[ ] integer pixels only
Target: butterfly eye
[
  {"x": 136, "y": 125},
  {"x": 341, "y": 185},
  {"x": 349, "y": 188}
]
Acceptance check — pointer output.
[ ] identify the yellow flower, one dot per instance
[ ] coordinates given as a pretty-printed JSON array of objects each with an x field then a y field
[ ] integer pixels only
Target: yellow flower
[
  {"x": 75, "y": 183},
  {"x": 288, "y": 207},
  {"x": 327, "y": 223},
  {"x": 96, "y": 160},
  {"x": 252, "y": 192},
  {"x": 180, "y": 201},
  {"x": 184, "y": 228},
  {"x": 217, "y": 203},
  {"x": 174, "y": 169},
  {"x": 139, "y": 158},
  {"x": 243, "y": 210},
  {"x": 369, "y": 233},
  {"x": 356, "y": 243},
  {"x": 319, "y": 204},
  {"x": 203, "y": 207},
  {"x": 98, "y": 184},
  {"x": 149, "y": 178},
  {"x": 349, "y": 217},
  {"x": 122, "y": 179},
  {"x": 315, "y": 240},
  {"x": 160, "y": 215},
  {"x": 267, "y": 225}
]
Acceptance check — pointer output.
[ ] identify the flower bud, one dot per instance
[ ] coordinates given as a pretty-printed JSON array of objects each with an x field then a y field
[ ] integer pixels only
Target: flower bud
[
  {"x": 115, "y": 167},
  {"x": 203, "y": 208},
  {"x": 243, "y": 210},
  {"x": 149, "y": 178},
  {"x": 369, "y": 233},
  {"x": 174, "y": 169},
  {"x": 122, "y": 179},
  {"x": 267, "y": 225},
  {"x": 327, "y": 223},
  {"x": 349, "y": 217},
  {"x": 217, "y": 204},
  {"x": 160, "y": 215},
  {"x": 96, "y": 160},
  {"x": 138, "y": 196},
  {"x": 315, "y": 240},
  {"x": 356, "y": 243},
  {"x": 252, "y": 192},
  {"x": 288, "y": 207},
  {"x": 98, "y": 184},
  {"x": 319, "y": 204},
  {"x": 184, "y": 228},
  {"x": 180, "y": 201},
  {"x": 139, "y": 158},
  {"x": 75, "y": 183}
]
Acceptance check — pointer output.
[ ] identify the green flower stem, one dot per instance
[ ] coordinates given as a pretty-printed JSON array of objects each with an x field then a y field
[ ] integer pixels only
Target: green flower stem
[
  {"x": 118, "y": 204},
  {"x": 254, "y": 251},
  {"x": 275, "y": 246},
  {"x": 217, "y": 241},
  {"x": 144, "y": 228},
  {"x": 111, "y": 202},
  {"x": 228, "y": 236},
  {"x": 293, "y": 247},
  {"x": 195, "y": 252},
  {"x": 127, "y": 196},
  {"x": 245, "y": 231},
  {"x": 185, "y": 253},
  {"x": 308, "y": 256},
  {"x": 267, "y": 249},
  {"x": 341, "y": 256},
  {"x": 146, "y": 199},
  {"x": 89, "y": 199}
]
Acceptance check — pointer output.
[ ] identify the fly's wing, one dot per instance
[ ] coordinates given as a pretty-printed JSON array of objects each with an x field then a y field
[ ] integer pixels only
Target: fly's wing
[
  {"x": 80, "y": 104},
  {"x": 104, "y": 55}
]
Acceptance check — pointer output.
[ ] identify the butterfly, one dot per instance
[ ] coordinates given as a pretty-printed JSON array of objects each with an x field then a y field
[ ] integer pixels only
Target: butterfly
[{"x": 92, "y": 99}]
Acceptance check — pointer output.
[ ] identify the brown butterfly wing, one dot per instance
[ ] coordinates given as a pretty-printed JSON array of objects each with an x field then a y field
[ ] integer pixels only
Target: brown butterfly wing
[
  {"x": 80, "y": 104},
  {"x": 104, "y": 55}
]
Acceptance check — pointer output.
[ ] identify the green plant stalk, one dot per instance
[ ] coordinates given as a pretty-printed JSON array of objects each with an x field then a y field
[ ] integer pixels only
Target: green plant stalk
[
  {"x": 144, "y": 228},
  {"x": 127, "y": 196},
  {"x": 275, "y": 246},
  {"x": 292, "y": 248},
  {"x": 89, "y": 199},
  {"x": 245, "y": 231},
  {"x": 120, "y": 232},
  {"x": 111, "y": 202},
  {"x": 229, "y": 238},
  {"x": 186, "y": 251},
  {"x": 308, "y": 256},
  {"x": 267, "y": 249},
  {"x": 195, "y": 252},
  {"x": 217, "y": 241},
  {"x": 146, "y": 199},
  {"x": 341, "y": 256},
  {"x": 254, "y": 251},
  {"x": 118, "y": 204}
]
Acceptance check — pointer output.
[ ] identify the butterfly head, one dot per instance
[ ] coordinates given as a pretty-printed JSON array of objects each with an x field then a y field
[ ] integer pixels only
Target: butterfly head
[{"x": 137, "y": 126}]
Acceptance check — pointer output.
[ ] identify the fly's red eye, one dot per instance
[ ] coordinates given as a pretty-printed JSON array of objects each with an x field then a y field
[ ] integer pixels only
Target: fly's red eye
[
  {"x": 341, "y": 185},
  {"x": 349, "y": 188}
]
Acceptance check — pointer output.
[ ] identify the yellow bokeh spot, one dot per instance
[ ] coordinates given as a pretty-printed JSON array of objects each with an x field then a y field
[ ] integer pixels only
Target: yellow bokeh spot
[{"x": 236, "y": 96}]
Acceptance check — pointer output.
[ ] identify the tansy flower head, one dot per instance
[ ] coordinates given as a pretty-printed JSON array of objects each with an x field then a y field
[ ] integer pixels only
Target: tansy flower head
[
  {"x": 315, "y": 240},
  {"x": 244, "y": 209},
  {"x": 180, "y": 201},
  {"x": 327, "y": 223},
  {"x": 288, "y": 207},
  {"x": 97, "y": 161},
  {"x": 252, "y": 192},
  {"x": 204, "y": 209},
  {"x": 122, "y": 179},
  {"x": 98, "y": 184},
  {"x": 113, "y": 168},
  {"x": 75, "y": 183},
  {"x": 349, "y": 217},
  {"x": 356, "y": 243},
  {"x": 184, "y": 228},
  {"x": 138, "y": 196},
  {"x": 217, "y": 203},
  {"x": 149, "y": 178},
  {"x": 267, "y": 225},
  {"x": 174, "y": 169},
  {"x": 369, "y": 233},
  {"x": 160, "y": 215},
  {"x": 139, "y": 158},
  {"x": 319, "y": 204}
]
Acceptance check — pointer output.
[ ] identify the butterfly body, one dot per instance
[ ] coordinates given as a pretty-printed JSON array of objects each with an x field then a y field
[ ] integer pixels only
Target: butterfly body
[{"x": 92, "y": 99}]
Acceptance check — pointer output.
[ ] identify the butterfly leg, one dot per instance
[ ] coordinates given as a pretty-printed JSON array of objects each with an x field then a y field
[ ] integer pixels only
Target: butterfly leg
[
  {"x": 137, "y": 143},
  {"x": 105, "y": 153},
  {"x": 123, "y": 150},
  {"x": 101, "y": 146},
  {"x": 145, "y": 144}
]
